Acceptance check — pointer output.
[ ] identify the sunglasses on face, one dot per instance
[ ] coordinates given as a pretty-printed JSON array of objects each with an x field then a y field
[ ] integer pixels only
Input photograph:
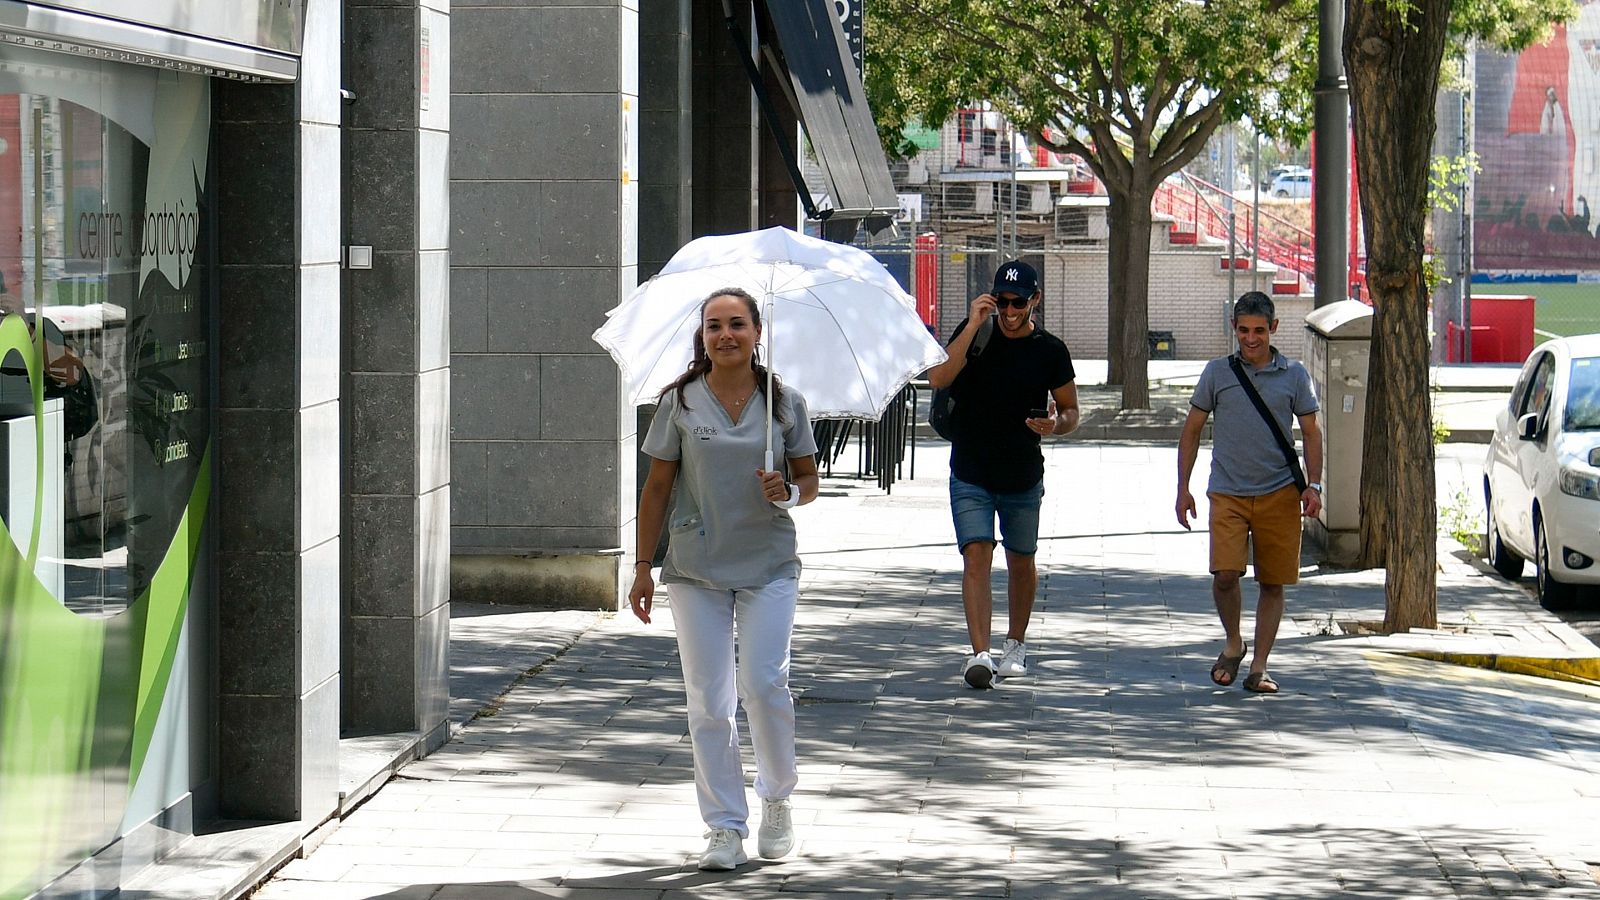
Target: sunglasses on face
[{"x": 1015, "y": 302}]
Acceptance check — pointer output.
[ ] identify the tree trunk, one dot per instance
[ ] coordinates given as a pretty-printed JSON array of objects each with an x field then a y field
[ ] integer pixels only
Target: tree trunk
[
  {"x": 1386, "y": 47},
  {"x": 1375, "y": 470},
  {"x": 1116, "y": 276},
  {"x": 1129, "y": 282}
]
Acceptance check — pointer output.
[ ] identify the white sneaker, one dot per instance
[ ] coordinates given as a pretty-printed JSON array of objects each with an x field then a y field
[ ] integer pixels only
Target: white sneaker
[
  {"x": 725, "y": 852},
  {"x": 979, "y": 671},
  {"x": 776, "y": 837},
  {"x": 1013, "y": 659}
]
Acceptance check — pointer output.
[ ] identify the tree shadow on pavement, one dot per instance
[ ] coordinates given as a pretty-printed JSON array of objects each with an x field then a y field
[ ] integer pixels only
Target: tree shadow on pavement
[
  {"x": 1116, "y": 769},
  {"x": 1310, "y": 861}
]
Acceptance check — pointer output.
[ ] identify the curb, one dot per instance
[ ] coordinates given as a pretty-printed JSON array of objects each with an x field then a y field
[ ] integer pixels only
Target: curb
[{"x": 1578, "y": 670}]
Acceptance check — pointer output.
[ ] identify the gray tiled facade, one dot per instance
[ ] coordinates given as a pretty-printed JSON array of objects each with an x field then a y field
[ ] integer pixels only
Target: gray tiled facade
[
  {"x": 544, "y": 190},
  {"x": 279, "y": 540},
  {"x": 396, "y": 464}
]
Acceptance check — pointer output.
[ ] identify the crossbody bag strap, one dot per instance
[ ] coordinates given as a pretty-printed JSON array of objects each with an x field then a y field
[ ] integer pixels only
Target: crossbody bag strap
[{"x": 1277, "y": 433}]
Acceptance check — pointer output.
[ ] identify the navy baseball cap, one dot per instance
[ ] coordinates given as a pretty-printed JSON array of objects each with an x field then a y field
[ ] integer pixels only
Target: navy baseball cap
[{"x": 1016, "y": 277}]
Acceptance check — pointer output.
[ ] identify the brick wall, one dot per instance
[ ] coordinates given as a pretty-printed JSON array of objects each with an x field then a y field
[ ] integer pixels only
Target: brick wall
[{"x": 1188, "y": 297}]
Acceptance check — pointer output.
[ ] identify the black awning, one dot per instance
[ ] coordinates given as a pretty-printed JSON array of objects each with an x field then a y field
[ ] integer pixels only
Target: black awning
[{"x": 805, "y": 43}]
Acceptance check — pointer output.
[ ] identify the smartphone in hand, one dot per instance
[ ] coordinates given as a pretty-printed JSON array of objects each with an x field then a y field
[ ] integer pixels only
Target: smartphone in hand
[{"x": 1038, "y": 414}]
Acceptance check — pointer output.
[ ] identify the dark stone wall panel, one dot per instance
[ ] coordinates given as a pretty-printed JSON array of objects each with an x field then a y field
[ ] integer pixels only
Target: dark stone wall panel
[
  {"x": 576, "y": 48},
  {"x": 383, "y": 300},
  {"x": 381, "y": 447},
  {"x": 534, "y": 137},
  {"x": 257, "y": 480},
  {"x": 469, "y": 310},
  {"x": 469, "y": 483},
  {"x": 380, "y": 64},
  {"x": 549, "y": 310},
  {"x": 256, "y": 326},
  {"x": 497, "y": 223},
  {"x": 263, "y": 783},
  {"x": 582, "y": 490},
  {"x": 495, "y": 397},
  {"x": 382, "y": 548},
  {"x": 381, "y": 188},
  {"x": 380, "y": 657},
  {"x": 571, "y": 388},
  {"x": 258, "y": 624},
  {"x": 255, "y": 208}
]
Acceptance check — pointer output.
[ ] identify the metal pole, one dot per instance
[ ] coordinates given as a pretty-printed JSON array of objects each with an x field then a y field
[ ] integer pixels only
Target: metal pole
[
  {"x": 1468, "y": 80},
  {"x": 1255, "y": 216},
  {"x": 1229, "y": 183},
  {"x": 1011, "y": 155},
  {"x": 1332, "y": 147}
]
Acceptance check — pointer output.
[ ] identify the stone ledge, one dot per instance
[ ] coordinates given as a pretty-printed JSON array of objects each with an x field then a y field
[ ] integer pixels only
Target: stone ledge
[{"x": 538, "y": 579}]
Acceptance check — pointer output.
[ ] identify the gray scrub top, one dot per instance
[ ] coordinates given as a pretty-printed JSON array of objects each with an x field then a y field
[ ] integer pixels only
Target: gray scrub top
[{"x": 723, "y": 533}]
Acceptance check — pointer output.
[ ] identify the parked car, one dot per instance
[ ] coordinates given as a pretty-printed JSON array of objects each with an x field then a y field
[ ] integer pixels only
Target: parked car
[
  {"x": 1292, "y": 184},
  {"x": 1273, "y": 173},
  {"x": 1541, "y": 478}
]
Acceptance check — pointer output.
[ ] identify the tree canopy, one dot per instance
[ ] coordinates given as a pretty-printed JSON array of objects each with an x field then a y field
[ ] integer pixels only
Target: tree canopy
[
  {"x": 1125, "y": 73},
  {"x": 1134, "y": 87}
]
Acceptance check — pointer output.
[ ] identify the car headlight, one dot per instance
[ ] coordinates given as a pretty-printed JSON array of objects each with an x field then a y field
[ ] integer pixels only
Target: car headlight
[{"x": 1580, "y": 484}]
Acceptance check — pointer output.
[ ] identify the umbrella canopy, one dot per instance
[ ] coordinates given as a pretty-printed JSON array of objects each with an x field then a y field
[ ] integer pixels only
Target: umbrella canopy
[{"x": 838, "y": 327}]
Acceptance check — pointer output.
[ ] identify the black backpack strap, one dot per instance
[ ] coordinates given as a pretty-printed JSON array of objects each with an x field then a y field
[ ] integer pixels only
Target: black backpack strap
[{"x": 1277, "y": 433}]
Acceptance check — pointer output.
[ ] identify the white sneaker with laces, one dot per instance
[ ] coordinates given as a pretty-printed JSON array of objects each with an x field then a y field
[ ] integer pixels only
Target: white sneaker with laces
[
  {"x": 1013, "y": 659},
  {"x": 776, "y": 837},
  {"x": 979, "y": 671},
  {"x": 724, "y": 852}
]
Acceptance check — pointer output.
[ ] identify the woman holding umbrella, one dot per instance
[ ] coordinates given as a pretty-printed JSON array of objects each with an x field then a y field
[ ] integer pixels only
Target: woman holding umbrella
[{"x": 732, "y": 570}]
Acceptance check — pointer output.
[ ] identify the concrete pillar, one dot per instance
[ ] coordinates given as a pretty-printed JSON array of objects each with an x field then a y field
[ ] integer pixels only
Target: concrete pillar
[
  {"x": 666, "y": 114},
  {"x": 726, "y": 125},
  {"x": 278, "y": 436},
  {"x": 396, "y": 629},
  {"x": 544, "y": 234}
]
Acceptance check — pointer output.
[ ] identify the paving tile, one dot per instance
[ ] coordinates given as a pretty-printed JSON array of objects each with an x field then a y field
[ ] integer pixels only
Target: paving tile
[{"x": 1115, "y": 770}]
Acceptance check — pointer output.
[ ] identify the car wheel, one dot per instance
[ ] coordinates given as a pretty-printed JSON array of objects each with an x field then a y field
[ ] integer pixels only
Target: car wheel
[
  {"x": 1553, "y": 594},
  {"x": 1283, "y": 195},
  {"x": 1501, "y": 557}
]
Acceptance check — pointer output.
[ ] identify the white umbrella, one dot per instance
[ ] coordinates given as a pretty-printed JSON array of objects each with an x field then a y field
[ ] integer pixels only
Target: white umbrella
[{"x": 848, "y": 337}]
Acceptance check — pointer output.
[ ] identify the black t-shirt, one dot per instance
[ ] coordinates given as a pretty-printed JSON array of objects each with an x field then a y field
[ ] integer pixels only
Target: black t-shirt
[{"x": 992, "y": 445}]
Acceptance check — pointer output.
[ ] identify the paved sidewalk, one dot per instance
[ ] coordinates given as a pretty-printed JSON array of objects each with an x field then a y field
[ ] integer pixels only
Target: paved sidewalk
[{"x": 1115, "y": 770}]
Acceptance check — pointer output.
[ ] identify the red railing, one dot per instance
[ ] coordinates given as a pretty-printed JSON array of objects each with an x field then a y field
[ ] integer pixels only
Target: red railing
[{"x": 1200, "y": 206}]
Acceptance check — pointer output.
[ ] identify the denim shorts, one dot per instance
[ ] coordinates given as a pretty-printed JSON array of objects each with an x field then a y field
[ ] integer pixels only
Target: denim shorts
[{"x": 974, "y": 510}]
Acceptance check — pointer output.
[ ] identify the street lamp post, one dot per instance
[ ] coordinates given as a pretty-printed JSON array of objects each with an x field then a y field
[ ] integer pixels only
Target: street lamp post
[{"x": 1332, "y": 148}]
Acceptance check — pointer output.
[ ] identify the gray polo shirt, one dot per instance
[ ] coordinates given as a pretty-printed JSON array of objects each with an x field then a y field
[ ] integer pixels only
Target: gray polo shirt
[
  {"x": 1245, "y": 459},
  {"x": 723, "y": 533}
]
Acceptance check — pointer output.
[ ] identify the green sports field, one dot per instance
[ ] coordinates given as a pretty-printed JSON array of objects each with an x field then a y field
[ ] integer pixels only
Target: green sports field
[{"x": 1559, "y": 310}]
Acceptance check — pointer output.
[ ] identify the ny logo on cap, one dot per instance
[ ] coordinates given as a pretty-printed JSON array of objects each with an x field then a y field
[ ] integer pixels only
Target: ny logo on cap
[{"x": 1011, "y": 274}]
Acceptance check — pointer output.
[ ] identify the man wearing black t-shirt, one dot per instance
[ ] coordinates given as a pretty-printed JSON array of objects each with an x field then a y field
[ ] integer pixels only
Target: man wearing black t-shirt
[{"x": 1008, "y": 395}]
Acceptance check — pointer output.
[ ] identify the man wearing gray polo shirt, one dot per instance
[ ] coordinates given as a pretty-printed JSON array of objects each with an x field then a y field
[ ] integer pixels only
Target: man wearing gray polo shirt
[{"x": 1255, "y": 503}]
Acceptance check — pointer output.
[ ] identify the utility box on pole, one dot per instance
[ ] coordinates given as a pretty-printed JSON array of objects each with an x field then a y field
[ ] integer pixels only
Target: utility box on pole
[{"x": 1339, "y": 347}]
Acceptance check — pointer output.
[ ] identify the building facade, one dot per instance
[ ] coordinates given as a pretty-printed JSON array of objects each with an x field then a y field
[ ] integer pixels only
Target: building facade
[{"x": 294, "y": 304}]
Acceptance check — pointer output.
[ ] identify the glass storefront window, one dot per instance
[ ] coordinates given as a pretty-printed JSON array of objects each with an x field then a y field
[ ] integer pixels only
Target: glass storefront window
[
  {"x": 103, "y": 261},
  {"x": 106, "y": 381}
]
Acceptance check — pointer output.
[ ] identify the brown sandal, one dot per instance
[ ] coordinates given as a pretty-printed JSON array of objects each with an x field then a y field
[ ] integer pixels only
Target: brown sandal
[
  {"x": 1260, "y": 683},
  {"x": 1226, "y": 669}
]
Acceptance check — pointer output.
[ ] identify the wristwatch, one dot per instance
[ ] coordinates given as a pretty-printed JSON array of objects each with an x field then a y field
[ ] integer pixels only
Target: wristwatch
[{"x": 1315, "y": 486}]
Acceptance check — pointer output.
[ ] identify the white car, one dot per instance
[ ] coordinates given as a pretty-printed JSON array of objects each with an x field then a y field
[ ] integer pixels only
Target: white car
[
  {"x": 1541, "y": 479},
  {"x": 1292, "y": 184}
]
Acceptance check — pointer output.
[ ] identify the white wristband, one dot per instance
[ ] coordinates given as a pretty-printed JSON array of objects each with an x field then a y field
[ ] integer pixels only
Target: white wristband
[{"x": 790, "y": 501}]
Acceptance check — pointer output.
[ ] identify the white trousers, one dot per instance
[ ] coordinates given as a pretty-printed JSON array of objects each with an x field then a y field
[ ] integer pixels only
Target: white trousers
[{"x": 711, "y": 626}]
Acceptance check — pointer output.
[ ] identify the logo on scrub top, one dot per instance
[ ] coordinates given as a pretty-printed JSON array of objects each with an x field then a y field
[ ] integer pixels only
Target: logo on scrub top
[{"x": 704, "y": 432}]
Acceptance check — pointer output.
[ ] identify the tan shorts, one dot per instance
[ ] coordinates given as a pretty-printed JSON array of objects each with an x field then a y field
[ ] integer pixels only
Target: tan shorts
[{"x": 1270, "y": 524}]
